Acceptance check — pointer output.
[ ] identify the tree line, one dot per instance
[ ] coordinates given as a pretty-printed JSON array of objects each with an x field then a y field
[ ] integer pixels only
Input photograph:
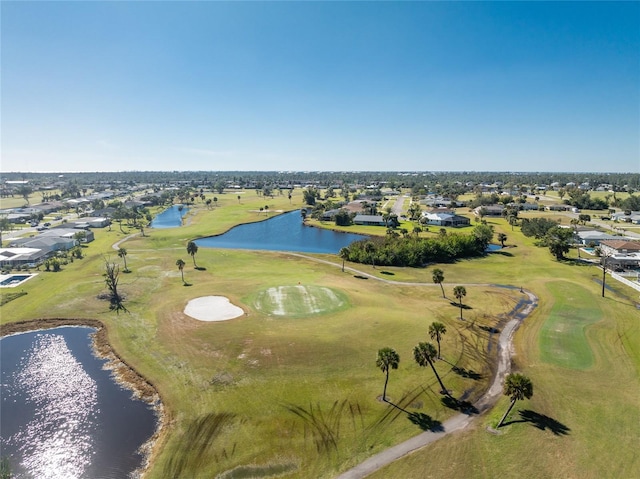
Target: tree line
[{"x": 414, "y": 251}]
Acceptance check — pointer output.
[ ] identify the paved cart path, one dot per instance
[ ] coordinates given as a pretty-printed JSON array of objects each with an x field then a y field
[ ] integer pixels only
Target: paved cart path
[{"x": 459, "y": 421}]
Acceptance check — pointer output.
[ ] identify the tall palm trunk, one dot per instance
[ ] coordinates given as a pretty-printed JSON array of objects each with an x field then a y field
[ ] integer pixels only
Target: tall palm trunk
[
  {"x": 513, "y": 402},
  {"x": 442, "y": 288},
  {"x": 384, "y": 391},
  {"x": 444, "y": 389}
]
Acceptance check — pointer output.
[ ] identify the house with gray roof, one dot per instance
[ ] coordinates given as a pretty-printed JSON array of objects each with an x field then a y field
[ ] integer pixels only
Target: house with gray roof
[{"x": 370, "y": 220}]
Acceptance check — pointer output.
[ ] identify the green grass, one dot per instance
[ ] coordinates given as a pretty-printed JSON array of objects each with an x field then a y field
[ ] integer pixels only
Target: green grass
[
  {"x": 267, "y": 391},
  {"x": 563, "y": 341}
]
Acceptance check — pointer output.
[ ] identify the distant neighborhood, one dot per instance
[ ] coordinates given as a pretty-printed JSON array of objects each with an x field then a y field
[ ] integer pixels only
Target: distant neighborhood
[{"x": 72, "y": 206}]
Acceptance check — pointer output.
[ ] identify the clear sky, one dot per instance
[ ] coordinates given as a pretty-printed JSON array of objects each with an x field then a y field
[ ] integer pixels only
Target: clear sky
[{"x": 396, "y": 86}]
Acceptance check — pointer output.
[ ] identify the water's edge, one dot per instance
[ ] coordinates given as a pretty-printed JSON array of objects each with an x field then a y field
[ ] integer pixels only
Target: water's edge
[{"x": 122, "y": 373}]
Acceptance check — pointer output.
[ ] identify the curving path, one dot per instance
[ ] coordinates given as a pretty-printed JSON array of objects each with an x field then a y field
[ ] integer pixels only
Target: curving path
[{"x": 459, "y": 421}]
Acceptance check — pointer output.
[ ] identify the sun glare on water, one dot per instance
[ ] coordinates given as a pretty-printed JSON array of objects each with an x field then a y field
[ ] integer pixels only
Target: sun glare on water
[{"x": 57, "y": 441}]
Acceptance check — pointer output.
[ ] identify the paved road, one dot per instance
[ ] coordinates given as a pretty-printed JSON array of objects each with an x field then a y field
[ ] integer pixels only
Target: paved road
[{"x": 459, "y": 421}]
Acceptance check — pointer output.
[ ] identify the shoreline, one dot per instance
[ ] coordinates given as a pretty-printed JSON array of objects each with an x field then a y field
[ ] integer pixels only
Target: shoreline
[{"x": 121, "y": 371}]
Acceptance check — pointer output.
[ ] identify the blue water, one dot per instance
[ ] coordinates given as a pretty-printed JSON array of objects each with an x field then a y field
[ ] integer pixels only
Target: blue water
[
  {"x": 281, "y": 233},
  {"x": 63, "y": 415},
  {"x": 170, "y": 218},
  {"x": 493, "y": 247},
  {"x": 14, "y": 278}
]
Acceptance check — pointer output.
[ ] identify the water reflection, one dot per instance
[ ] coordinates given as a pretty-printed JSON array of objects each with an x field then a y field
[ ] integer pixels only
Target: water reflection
[
  {"x": 56, "y": 441},
  {"x": 62, "y": 414}
]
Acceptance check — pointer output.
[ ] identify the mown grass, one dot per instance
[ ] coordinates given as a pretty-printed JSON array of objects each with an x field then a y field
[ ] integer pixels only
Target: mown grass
[
  {"x": 303, "y": 389},
  {"x": 562, "y": 337}
]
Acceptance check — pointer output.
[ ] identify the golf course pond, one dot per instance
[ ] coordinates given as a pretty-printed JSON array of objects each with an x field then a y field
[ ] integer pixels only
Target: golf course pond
[
  {"x": 170, "y": 218},
  {"x": 285, "y": 232},
  {"x": 63, "y": 413}
]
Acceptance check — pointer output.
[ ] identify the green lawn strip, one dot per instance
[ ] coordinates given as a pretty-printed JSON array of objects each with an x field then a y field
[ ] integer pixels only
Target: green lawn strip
[{"x": 562, "y": 338}]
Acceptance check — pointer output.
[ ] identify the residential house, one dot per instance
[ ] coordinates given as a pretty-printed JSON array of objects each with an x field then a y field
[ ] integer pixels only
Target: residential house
[
  {"x": 370, "y": 220},
  {"x": 594, "y": 237},
  {"x": 444, "y": 218},
  {"x": 489, "y": 210},
  {"x": 13, "y": 257},
  {"x": 621, "y": 254}
]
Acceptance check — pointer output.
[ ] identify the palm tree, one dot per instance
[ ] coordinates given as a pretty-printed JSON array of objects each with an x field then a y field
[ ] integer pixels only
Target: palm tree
[
  {"x": 122, "y": 253},
  {"x": 518, "y": 386},
  {"x": 502, "y": 238},
  {"x": 180, "y": 265},
  {"x": 344, "y": 254},
  {"x": 460, "y": 292},
  {"x": 387, "y": 359},
  {"x": 424, "y": 354},
  {"x": 438, "y": 278},
  {"x": 192, "y": 249},
  {"x": 436, "y": 331}
]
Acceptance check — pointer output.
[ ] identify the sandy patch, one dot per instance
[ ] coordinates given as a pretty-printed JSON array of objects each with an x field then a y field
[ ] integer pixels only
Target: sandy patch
[{"x": 212, "y": 308}]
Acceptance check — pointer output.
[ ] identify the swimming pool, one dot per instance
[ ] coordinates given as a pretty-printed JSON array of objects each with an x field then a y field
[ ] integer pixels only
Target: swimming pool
[{"x": 12, "y": 280}]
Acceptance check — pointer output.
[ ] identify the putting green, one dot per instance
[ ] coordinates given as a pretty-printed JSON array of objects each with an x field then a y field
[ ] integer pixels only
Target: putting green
[
  {"x": 562, "y": 339},
  {"x": 299, "y": 300}
]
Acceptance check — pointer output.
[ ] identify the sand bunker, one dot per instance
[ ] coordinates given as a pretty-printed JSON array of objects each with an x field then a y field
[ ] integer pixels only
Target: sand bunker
[{"x": 212, "y": 308}]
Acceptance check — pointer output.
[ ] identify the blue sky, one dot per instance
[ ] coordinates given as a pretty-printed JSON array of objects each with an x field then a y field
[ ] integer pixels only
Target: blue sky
[{"x": 397, "y": 86}]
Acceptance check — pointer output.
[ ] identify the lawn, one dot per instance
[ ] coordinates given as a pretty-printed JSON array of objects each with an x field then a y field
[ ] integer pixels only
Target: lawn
[{"x": 292, "y": 385}]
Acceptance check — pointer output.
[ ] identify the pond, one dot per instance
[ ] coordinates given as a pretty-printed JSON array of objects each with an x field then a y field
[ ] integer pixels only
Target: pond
[
  {"x": 170, "y": 218},
  {"x": 63, "y": 415},
  {"x": 284, "y": 232}
]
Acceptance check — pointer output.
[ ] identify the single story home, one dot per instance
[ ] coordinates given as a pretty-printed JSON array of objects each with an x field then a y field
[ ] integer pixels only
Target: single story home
[
  {"x": 20, "y": 256},
  {"x": 47, "y": 244},
  {"x": 634, "y": 217},
  {"x": 621, "y": 253},
  {"x": 489, "y": 210},
  {"x": 370, "y": 220},
  {"x": 444, "y": 218},
  {"x": 620, "y": 246},
  {"x": 588, "y": 237}
]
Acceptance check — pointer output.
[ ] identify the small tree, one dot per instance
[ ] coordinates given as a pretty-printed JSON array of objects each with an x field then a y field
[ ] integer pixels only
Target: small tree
[
  {"x": 192, "y": 249},
  {"x": 112, "y": 273},
  {"x": 180, "y": 264},
  {"x": 344, "y": 254},
  {"x": 518, "y": 386},
  {"x": 387, "y": 359},
  {"x": 438, "y": 278},
  {"x": 436, "y": 331},
  {"x": 502, "y": 238},
  {"x": 460, "y": 292},
  {"x": 122, "y": 253}
]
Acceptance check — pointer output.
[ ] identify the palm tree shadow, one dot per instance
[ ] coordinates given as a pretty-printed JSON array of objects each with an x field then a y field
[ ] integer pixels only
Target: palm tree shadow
[
  {"x": 457, "y": 305},
  {"x": 542, "y": 422},
  {"x": 464, "y": 407},
  {"x": 425, "y": 422},
  {"x": 200, "y": 268},
  {"x": 466, "y": 373}
]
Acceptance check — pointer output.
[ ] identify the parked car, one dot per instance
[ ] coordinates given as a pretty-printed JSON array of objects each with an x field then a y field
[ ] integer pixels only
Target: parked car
[{"x": 47, "y": 224}]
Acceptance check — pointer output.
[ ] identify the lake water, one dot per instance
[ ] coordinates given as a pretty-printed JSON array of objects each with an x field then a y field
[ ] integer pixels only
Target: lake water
[
  {"x": 281, "y": 233},
  {"x": 63, "y": 415},
  {"x": 170, "y": 218}
]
